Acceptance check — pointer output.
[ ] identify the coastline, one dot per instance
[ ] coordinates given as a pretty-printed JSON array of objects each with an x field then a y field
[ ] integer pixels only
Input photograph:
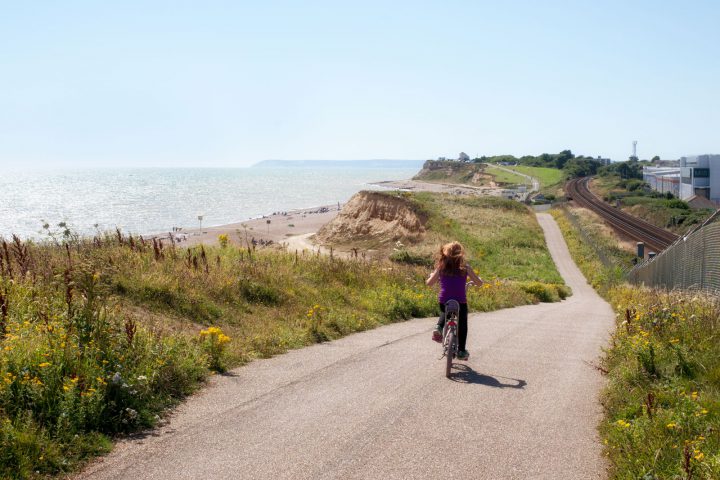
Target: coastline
[
  {"x": 274, "y": 229},
  {"x": 295, "y": 228}
]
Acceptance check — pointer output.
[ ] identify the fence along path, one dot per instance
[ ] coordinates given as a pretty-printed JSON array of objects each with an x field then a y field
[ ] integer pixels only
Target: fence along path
[{"x": 692, "y": 262}]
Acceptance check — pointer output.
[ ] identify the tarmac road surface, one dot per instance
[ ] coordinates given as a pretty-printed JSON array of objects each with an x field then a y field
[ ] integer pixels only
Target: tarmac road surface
[{"x": 376, "y": 405}]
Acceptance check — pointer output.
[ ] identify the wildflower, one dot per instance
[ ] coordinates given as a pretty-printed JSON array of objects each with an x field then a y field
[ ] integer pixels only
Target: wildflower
[
  {"x": 671, "y": 425},
  {"x": 698, "y": 455},
  {"x": 142, "y": 378},
  {"x": 623, "y": 423},
  {"x": 117, "y": 378},
  {"x": 101, "y": 381},
  {"x": 44, "y": 364},
  {"x": 694, "y": 395}
]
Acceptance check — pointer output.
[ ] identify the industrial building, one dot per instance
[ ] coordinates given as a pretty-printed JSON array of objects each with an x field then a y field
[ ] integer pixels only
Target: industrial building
[
  {"x": 700, "y": 176},
  {"x": 663, "y": 179},
  {"x": 697, "y": 177}
]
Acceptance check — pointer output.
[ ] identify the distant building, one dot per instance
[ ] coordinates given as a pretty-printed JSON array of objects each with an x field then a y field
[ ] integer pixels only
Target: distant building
[
  {"x": 700, "y": 175},
  {"x": 604, "y": 161},
  {"x": 663, "y": 179},
  {"x": 464, "y": 157},
  {"x": 441, "y": 159}
]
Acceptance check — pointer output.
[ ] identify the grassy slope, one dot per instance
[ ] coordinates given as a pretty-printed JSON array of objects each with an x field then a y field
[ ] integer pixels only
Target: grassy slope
[
  {"x": 550, "y": 178},
  {"x": 662, "y": 400},
  {"x": 462, "y": 173},
  {"x": 504, "y": 177},
  {"x": 502, "y": 238},
  {"x": 102, "y": 336}
]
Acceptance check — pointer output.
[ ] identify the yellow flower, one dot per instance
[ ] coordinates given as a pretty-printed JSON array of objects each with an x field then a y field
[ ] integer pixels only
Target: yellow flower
[
  {"x": 671, "y": 425},
  {"x": 698, "y": 455},
  {"x": 623, "y": 423},
  {"x": 44, "y": 364},
  {"x": 694, "y": 395}
]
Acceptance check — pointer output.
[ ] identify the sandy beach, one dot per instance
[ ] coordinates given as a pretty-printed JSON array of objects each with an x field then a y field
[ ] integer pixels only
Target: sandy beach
[{"x": 269, "y": 230}]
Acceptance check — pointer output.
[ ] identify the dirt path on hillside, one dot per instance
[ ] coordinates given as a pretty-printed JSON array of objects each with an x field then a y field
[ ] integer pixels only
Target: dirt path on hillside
[{"x": 377, "y": 404}]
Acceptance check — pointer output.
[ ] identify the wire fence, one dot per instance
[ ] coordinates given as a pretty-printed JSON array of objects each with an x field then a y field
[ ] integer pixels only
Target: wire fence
[{"x": 692, "y": 262}]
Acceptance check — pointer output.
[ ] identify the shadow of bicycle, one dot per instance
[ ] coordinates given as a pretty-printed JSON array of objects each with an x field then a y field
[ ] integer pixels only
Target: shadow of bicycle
[{"x": 465, "y": 374}]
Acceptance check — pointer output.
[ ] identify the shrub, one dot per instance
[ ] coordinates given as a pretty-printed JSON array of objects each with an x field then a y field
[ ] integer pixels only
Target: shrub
[
  {"x": 214, "y": 342},
  {"x": 403, "y": 256},
  {"x": 541, "y": 291}
]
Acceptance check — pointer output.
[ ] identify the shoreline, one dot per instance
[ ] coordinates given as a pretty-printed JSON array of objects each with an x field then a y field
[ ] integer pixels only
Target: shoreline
[
  {"x": 266, "y": 230},
  {"x": 295, "y": 228}
]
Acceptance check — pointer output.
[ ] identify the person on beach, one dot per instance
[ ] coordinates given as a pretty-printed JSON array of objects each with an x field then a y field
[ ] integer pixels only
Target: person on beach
[{"x": 452, "y": 272}]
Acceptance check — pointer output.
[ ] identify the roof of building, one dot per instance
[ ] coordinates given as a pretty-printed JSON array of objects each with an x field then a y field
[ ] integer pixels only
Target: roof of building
[{"x": 697, "y": 201}]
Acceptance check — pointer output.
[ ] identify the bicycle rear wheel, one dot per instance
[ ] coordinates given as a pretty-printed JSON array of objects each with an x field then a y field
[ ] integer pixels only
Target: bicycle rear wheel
[{"x": 452, "y": 340}]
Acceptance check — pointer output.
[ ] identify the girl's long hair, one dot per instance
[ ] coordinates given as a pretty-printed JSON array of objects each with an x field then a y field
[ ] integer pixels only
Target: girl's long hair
[{"x": 450, "y": 259}]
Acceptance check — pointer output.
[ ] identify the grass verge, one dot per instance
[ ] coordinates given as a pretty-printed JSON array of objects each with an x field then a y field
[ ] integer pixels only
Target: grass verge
[{"x": 662, "y": 398}]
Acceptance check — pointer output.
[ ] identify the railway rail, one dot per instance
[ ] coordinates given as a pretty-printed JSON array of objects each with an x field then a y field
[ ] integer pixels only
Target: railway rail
[{"x": 657, "y": 239}]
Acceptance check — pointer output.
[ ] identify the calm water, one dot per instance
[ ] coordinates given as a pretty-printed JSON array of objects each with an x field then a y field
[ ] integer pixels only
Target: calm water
[{"x": 155, "y": 200}]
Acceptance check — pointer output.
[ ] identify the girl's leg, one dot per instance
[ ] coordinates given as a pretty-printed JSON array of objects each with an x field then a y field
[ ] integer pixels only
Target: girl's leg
[
  {"x": 462, "y": 326},
  {"x": 441, "y": 320}
]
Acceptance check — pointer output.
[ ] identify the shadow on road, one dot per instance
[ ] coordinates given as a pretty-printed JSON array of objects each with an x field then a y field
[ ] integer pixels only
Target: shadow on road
[{"x": 465, "y": 374}]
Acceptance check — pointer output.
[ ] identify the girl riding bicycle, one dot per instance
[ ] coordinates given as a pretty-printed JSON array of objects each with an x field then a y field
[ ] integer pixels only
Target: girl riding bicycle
[{"x": 452, "y": 271}]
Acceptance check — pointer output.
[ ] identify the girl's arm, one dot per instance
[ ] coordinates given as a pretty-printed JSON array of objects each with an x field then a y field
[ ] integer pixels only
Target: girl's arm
[
  {"x": 473, "y": 276},
  {"x": 433, "y": 278}
]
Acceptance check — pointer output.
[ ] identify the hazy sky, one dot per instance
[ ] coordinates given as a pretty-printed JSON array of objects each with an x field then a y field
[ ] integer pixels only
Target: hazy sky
[{"x": 229, "y": 83}]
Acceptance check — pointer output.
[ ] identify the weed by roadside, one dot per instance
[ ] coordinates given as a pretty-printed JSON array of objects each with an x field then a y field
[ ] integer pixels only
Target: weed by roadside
[{"x": 663, "y": 394}]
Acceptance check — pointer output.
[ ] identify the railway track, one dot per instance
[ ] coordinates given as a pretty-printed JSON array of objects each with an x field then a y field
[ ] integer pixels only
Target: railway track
[{"x": 655, "y": 238}]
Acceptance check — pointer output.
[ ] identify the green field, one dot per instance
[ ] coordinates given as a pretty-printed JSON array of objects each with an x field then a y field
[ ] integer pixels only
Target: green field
[
  {"x": 548, "y": 177},
  {"x": 506, "y": 178}
]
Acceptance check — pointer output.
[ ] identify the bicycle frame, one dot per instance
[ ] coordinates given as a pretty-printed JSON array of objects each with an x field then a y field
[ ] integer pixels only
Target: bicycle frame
[{"x": 450, "y": 333}]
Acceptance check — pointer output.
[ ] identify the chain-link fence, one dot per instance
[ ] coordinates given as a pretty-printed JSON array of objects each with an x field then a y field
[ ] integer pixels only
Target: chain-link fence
[{"x": 693, "y": 262}]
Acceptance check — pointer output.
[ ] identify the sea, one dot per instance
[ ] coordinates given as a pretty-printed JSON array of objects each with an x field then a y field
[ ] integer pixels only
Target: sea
[{"x": 154, "y": 200}]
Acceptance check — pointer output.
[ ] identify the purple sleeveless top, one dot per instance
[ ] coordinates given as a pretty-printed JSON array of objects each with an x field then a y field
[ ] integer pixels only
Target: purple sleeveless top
[{"x": 452, "y": 287}]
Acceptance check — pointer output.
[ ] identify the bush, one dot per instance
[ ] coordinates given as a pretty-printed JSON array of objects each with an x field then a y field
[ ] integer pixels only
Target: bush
[
  {"x": 409, "y": 258},
  {"x": 542, "y": 292}
]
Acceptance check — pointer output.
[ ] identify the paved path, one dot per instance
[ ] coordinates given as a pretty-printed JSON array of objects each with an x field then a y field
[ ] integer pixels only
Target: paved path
[{"x": 376, "y": 405}]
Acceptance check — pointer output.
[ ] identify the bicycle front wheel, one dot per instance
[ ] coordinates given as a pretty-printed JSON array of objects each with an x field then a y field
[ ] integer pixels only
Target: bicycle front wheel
[{"x": 452, "y": 341}]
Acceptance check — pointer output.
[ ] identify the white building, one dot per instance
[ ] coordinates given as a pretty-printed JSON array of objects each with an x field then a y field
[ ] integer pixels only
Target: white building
[
  {"x": 663, "y": 179},
  {"x": 700, "y": 175}
]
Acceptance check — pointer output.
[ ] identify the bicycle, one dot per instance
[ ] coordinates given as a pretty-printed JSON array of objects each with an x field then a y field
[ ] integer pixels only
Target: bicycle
[
  {"x": 450, "y": 334},
  {"x": 450, "y": 342}
]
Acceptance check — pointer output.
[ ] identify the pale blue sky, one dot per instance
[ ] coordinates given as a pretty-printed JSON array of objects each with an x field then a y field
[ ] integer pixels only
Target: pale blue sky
[{"x": 229, "y": 83}]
